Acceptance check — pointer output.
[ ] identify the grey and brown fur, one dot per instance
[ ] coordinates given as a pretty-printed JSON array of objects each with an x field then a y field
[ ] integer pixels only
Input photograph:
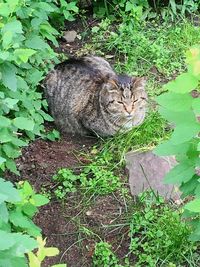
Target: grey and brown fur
[{"x": 86, "y": 95}]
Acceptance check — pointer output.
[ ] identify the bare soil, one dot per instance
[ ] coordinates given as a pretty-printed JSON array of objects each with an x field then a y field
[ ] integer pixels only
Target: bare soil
[{"x": 63, "y": 222}]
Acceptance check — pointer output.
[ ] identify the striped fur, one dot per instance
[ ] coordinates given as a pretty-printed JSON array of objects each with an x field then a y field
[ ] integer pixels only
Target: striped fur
[{"x": 86, "y": 96}]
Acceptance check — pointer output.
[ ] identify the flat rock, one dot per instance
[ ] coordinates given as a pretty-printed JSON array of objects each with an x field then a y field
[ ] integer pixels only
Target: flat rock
[
  {"x": 147, "y": 170},
  {"x": 70, "y": 36}
]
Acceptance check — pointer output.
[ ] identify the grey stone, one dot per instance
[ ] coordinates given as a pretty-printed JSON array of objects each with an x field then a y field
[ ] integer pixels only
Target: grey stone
[
  {"x": 70, "y": 36},
  {"x": 147, "y": 170}
]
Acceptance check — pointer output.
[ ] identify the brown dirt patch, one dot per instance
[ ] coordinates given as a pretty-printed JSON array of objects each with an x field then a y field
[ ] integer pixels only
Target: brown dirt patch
[{"x": 63, "y": 222}]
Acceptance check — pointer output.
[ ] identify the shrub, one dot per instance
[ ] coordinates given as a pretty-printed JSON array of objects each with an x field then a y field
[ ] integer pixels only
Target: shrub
[
  {"x": 17, "y": 208},
  {"x": 182, "y": 109}
]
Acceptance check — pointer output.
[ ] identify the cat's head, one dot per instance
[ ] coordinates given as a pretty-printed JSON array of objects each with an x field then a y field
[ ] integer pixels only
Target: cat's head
[{"x": 125, "y": 100}]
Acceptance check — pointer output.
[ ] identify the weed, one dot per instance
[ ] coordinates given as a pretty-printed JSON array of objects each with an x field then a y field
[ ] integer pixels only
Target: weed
[
  {"x": 67, "y": 181},
  {"x": 97, "y": 179},
  {"x": 158, "y": 236},
  {"x": 94, "y": 179},
  {"x": 104, "y": 257}
]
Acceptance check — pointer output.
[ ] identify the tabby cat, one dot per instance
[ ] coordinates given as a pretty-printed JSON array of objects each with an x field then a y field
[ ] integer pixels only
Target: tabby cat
[{"x": 85, "y": 95}]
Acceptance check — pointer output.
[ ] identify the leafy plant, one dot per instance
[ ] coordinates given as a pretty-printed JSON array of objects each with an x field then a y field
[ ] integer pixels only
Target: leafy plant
[
  {"x": 17, "y": 208},
  {"x": 158, "y": 236},
  {"x": 183, "y": 110},
  {"x": 67, "y": 182},
  {"x": 35, "y": 259},
  {"x": 25, "y": 56},
  {"x": 103, "y": 256},
  {"x": 97, "y": 179}
]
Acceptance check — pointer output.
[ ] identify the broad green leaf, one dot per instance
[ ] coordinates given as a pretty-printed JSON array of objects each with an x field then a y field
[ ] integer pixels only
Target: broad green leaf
[
  {"x": 184, "y": 83},
  {"x": 4, "y": 122},
  {"x": 36, "y": 42},
  {"x": 29, "y": 209},
  {"x": 185, "y": 132},
  {"x": 23, "y": 123},
  {"x": 4, "y": 9},
  {"x": 10, "y": 164},
  {"x": 5, "y": 135},
  {"x": 4, "y": 55},
  {"x": 11, "y": 151},
  {"x": 40, "y": 200},
  {"x": 2, "y": 160},
  {"x": 3, "y": 212},
  {"x": 181, "y": 117},
  {"x": 8, "y": 72},
  {"x": 181, "y": 173},
  {"x": 27, "y": 189},
  {"x": 168, "y": 148},
  {"x": 175, "y": 102},
  {"x": 10, "y": 102},
  {"x": 7, "y": 39},
  {"x": 18, "y": 219},
  {"x": 24, "y": 244},
  {"x": 8, "y": 191},
  {"x": 7, "y": 240},
  {"x": 13, "y": 26},
  {"x": 24, "y": 54},
  {"x": 193, "y": 205},
  {"x": 196, "y": 106}
]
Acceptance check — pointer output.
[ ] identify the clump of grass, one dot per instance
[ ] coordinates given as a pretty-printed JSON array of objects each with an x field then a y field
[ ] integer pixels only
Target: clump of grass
[{"x": 137, "y": 50}]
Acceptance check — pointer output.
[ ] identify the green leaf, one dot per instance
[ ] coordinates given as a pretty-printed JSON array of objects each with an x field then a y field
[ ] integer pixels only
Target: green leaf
[
  {"x": 7, "y": 39},
  {"x": 185, "y": 132},
  {"x": 5, "y": 135},
  {"x": 184, "y": 83},
  {"x": 24, "y": 244},
  {"x": 29, "y": 209},
  {"x": 27, "y": 189},
  {"x": 8, "y": 72},
  {"x": 4, "y": 122},
  {"x": 4, "y": 9},
  {"x": 36, "y": 43},
  {"x": 175, "y": 102},
  {"x": 24, "y": 54},
  {"x": 193, "y": 205},
  {"x": 10, "y": 164},
  {"x": 11, "y": 151},
  {"x": 10, "y": 102},
  {"x": 13, "y": 26},
  {"x": 181, "y": 173},
  {"x": 181, "y": 117},
  {"x": 7, "y": 240},
  {"x": 18, "y": 219},
  {"x": 24, "y": 123},
  {"x": 3, "y": 212},
  {"x": 40, "y": 200},
  {"x": 2, "y": 160},
  {"x": 196, "y": 106},
  {"x": 168, "y": 148},
  {"x": 7, "y": 192}
]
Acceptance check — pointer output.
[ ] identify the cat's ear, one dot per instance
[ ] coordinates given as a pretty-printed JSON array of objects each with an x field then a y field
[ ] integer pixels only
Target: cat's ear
[
  {"x": 139, "y": 83},
  {"x": 110, "y": 85}
]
